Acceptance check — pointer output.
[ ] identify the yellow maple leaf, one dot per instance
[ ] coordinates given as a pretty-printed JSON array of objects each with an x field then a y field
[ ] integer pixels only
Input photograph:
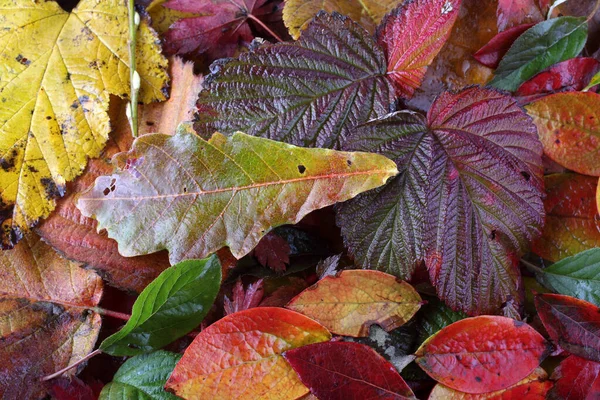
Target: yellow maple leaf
[{"x": 57, "y": 70}]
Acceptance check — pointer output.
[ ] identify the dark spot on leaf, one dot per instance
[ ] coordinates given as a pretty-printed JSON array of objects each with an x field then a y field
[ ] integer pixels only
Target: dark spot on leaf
[
  {"x": 75, "y": 105},
  {"x": 149, "y": 123},
  {"x": 349, "y": 162},
  {"x": 106, "y": 191},
  {"x": 52, "y": 190},
  {"x": 301, "y": 168},
  {"x": 48, "y": 117},
  {"x": 478, "y": 379},
  {"x": 184, "y": 190},
  {"x": 557, "y": 141},
  {"x": 93, "y": 65},
  {"x": 493, "y": 234},
  {"x": 68, "y": 76},
  {"x": 23, "y": 60},
  {"x": 33, "y": 169},
  {"x": 526, "y": 175}
]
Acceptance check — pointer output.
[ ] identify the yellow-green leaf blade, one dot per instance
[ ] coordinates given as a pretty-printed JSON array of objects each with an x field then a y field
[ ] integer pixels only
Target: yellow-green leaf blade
[{"x": 193, "y": 197}]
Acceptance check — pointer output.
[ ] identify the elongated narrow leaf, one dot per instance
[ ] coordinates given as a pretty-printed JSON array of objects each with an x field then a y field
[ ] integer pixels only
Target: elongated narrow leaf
[
  {"x": 491, "y": 54},
  {"x": 576, "y": 276},
  {"x": 576, "y": 379},
  {"x": 142, "y": 377},
  {"x": 573, "y": 324},
  {"x": 467, "y": 200},
  {"x": 240, "y": 357},
  {"x": 350, "y": 302},
  {"x": 542, "y": 46},
  {"x": 411, "y": 36},
  {"x": 352, "y": 371},
  {"x": 193, "y": 197},
  {"x": 482, "y": 354},
  {"x": 171, "y": 306},
  {"x": 308, "y": 93},
  {"x": 569, "y": 128}
]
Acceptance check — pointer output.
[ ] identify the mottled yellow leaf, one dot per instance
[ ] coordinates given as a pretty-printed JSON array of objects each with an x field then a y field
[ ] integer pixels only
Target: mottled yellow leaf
[
  {"x": 163, "y": 17},
  {"x": 56, "y": 73}
]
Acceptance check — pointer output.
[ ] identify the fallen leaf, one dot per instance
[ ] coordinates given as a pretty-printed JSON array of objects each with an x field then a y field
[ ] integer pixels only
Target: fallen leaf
[
  {"x": 491, "y": 54},
  {"x": 163, "y": 17},
  {"x": 569, "y": 130},
  {"x": 328, "y": 266},
  {"x": 576, "y": 378},
  {"x": 568, "y": 76},
  {"x": 540, "y": 47},
  {"x": 239, "y": 356},
  {"x": 45, "y": 318},
  {"x": 174, "y": 180},
  {"x": 572, "y": 220},
  {"x": 434, "y": 316},
  {"x": 58, "y": 71},
  {"x": 284, "y": 293},
  {"x": 244, "y": 299},
  {"x": 534, "y": 387},
  {"x": 411, "y": 36},
  {"x": 467, "y": 186},
  {"x": 312, "y": 92},
  {"x": 512, "y": 13},
  {"x": 71, "y": 388},
  {"x": 482, "y": 354},
  {"x": 171, "y": 306},
  {"x": 273, "y": 251},
  {"x": 343, "y": 370},
  {"x": 572, "y": 324},
  {"x": 350, "y": 302}
]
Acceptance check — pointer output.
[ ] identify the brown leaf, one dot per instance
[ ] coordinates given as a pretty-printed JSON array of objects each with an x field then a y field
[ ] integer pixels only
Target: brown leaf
[{"x": 273, "y": 251}]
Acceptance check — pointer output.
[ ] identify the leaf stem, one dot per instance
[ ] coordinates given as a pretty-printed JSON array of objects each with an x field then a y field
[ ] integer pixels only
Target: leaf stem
[
  {"x": 109, "y": 313},
  {"x": 531, "y": 267},
  {"x": 265, "y": 27},
  {"x": 134, "y": 77},
  {"x": 75, "y": 364}
]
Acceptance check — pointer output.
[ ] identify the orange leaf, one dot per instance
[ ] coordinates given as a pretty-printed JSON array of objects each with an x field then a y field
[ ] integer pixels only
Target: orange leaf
[
  {"x": 572, "y": 220},
  {"x": 350, "y": 302},
  {"x": 239, "y": 357}
]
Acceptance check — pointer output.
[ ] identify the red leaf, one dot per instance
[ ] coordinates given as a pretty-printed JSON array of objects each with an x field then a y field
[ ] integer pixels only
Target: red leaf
[
  {"x": 511, "y": 13},
  {"x": 491, "y": 54},
  {"x": 273, "y": 251},
  {"x": 411, "y": 36},
  {"x": 244, "y": 299},
  {"x": 72, "y": 388},
  {"x": 568, "y": 76},
  {"x": 347, "y": 371},
  {"x": 573, "y": 324},
  {"x": 576, "y": 378},
  {"x": 482, "y": 354}
]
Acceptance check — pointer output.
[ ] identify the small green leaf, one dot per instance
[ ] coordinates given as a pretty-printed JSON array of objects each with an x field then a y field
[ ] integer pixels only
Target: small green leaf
[
  {"x": 142, "y": 377},
  {"x": 170, "y": 307},
  {"x": 576, "y": 276},
  {"x": 540, "y": 47},
  {"x": 434, "y": 316},
  {"x": 595, "y": 81}
]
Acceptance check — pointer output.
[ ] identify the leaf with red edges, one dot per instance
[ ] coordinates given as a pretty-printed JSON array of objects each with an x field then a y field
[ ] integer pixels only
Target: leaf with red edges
[
  {"x": 244, "y": 299},
  {"x": 568, "y": 76},
  {"x": 350, "y": 371},
  {"x": 467, "y": 200},
  {"x": 517, "y": 12},
  {"x": 240, "y": 356},
  {"x": 482, "y": 354},
  {"x": 273, "y": 251},
  {"x": 491, "y": 54},
  {"x": 576, "y": 378},
  {"x": 573, "y": 324},
  {"x": 411, "y": 36}
]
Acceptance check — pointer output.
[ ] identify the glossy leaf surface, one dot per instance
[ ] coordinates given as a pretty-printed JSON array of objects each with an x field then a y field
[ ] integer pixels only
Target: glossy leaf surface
[
  {"x": 491, "y": 54},
  {"x": 482, "y": 354},
  {"x": 540, "y": 47},
  {"x": 342, "y": 370},
  {"x": 171, "y": 306},
  {"x": 411, "y": 36},
  {"x": 576, "y": 378},
  {"x": 350, "y": 302},
  {"x": 434, "y": 316},
  {"x": 312, "y": 92},
  {"x": 569, "y": 128},
  {"x": 190, "y": 191},
  {"x": 240, "y": 356},
  {"x": 467, "y": 200}
]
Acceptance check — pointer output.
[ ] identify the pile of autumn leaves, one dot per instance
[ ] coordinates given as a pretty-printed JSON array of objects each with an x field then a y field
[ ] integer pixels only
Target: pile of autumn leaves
[{"x": 458, "y": 190}]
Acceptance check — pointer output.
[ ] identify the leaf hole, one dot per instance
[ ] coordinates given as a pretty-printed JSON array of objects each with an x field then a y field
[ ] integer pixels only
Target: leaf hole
[
  {"x": 184, "y": 190},
  {"x": 349, "y": 162},
  {"x": 301, "y": 168},
  {"x": 526, "y": 175},
  {"x": 493, "y": 234}
]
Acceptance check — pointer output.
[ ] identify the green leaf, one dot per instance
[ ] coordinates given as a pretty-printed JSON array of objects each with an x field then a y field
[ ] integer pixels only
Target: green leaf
[
  {"x": 576, "y": 276},
  {"x": 540, "y": 47},
  {"x": 434, "y": 316},
  {"x": 142, "y": 377},
  {"x": 193, "y": 197},
  {"x": 594, "y": 82},
  {"x": 170, "y": 307}
]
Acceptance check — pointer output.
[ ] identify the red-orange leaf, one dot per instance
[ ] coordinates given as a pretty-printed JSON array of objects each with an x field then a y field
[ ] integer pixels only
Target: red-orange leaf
[
  {"x": 572, "y": 220},
  {"x": 516, "y": 12},
  {"x": 491, "y": 54},
  {"x": 349, "y": 371},
  {"x": 240, "y": 357},
  {"x": 573, "y": 324},
  {"x": 350, "y": 302},
  {"x": 411, "y": 36},
  {"x": 576, "y": 378},
  {"x": 482, "y": 354}
]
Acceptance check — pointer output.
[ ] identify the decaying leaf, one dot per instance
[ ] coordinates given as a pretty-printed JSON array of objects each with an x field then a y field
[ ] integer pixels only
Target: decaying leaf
[
  {"x": 193, "y": 197},
  {"x": 351, "y": 301},
  {"x": 467, "y": 201},
  {"x": 240, "y": 356},
  {"x": 572, "y": 220},
  {"x": 45, "y": 321},
  {"x": 58, "y": 71}
]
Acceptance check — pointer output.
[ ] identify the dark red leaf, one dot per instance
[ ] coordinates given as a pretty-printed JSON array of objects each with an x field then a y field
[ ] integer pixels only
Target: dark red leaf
[
  {"x": 72, "y": 388},
  {"x": 576, "y": 378},
  {"x": 347, "y": 371},
  {"x": 273, "y": 251},
  {"x": 517, "y": 12},
  {"x": 491, "y": 54},
  {"x": 244, "y": 299},
  {"x": 573, "y": 324}
]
